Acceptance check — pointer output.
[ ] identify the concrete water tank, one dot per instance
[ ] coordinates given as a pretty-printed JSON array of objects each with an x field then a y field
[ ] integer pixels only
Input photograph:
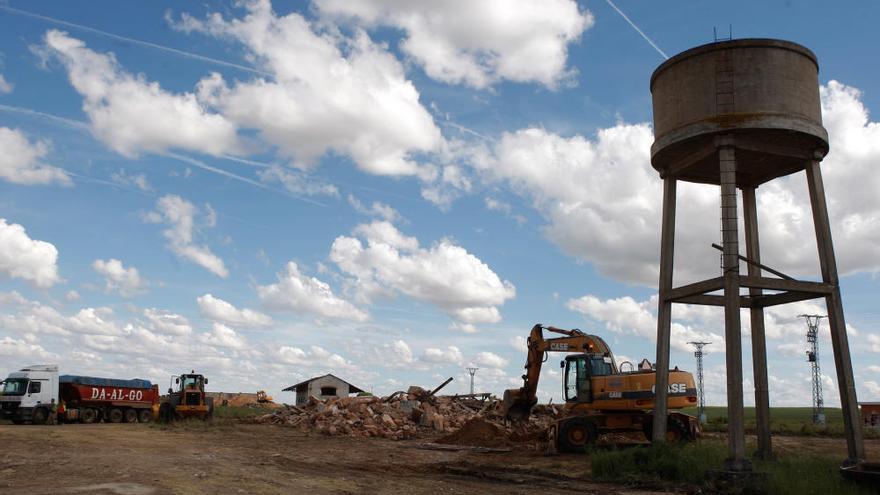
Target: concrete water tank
[{"x": 764, "y": 93}]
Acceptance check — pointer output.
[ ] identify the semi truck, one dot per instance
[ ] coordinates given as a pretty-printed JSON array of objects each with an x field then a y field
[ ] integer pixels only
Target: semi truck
[{"x": 28, "y": 395}]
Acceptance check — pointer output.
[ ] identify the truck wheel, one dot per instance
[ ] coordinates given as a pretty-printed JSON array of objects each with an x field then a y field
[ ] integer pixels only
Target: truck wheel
[
  {"x": 115, "y": 416},
  {"x": 40, "y": 416},
  {"x": 576, "y": 433},
  {"x": 131, "y": 416},
  {"x": 88, "y": 415},
  {"x": 145, "y": 416}
]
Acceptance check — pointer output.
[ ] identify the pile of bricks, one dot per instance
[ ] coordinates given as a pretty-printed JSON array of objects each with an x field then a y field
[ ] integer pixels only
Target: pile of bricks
[{"x": 401, "y": 415}]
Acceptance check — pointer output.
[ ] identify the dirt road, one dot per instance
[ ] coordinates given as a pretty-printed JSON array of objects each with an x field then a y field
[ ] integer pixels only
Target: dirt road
[{"x": 127, "y": 459}]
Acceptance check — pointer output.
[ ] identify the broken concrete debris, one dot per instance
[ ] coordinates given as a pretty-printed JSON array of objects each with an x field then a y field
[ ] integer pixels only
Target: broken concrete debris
[{"x": 412, "y": 414}]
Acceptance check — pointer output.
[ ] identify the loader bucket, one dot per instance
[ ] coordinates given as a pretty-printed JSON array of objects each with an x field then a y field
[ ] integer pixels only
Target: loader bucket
[{"x": 515, "y": 406}]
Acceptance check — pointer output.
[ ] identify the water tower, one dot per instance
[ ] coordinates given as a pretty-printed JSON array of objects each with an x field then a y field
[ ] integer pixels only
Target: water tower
[{"x": 737, "y": 114}]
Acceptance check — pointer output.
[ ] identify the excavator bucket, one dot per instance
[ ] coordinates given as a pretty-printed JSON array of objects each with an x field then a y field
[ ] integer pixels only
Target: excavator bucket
[{"x": 515, "y": 406}]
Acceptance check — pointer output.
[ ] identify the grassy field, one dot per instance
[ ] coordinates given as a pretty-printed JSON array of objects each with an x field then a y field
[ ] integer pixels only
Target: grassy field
[
  {"x": 783, "y": 421},
  {"x": 689, "y": 466}
]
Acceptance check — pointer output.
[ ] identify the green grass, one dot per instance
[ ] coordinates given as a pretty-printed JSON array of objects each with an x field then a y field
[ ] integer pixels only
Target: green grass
[
  {"x": 690, "y": 464},
  {"x": 796, "y": 421}
]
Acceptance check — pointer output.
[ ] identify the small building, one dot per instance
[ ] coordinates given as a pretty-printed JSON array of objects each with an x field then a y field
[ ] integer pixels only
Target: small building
[
  {"x": 322, "y": 387},
  {"x": 870, "y": 414}
]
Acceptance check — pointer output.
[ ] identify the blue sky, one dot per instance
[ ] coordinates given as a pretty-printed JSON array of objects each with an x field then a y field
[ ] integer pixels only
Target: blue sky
[{"x": 270, "y": 192}]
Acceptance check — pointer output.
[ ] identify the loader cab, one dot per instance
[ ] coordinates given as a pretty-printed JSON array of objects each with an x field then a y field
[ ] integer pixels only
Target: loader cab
[
  {"x": 192, "y": 389},
  {"x": 579, "y": 372}
]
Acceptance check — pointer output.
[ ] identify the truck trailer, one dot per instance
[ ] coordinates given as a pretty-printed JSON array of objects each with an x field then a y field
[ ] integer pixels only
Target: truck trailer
[{"x": 28, "y": 395}]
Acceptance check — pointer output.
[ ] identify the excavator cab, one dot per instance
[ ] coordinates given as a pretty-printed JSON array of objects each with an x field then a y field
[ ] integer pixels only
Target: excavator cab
[{"x": 579, "y": 371}]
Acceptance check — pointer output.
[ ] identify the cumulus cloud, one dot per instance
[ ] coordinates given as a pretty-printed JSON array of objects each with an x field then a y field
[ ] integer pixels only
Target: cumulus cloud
[
  {"x": 223, "y": 336},
  {"x": 20, "y": 349},
  {"x": 224, "y": 312},
  {"x": 329, "y": 93},
  {"x": 316, "y": 358},
  {"x": 478, "y": 43},
  {"x": 27, "y": 259},
  {"x": 138, "y": 181},
  {"x": 601, "y": 198},
  {"x": 490, "y": 360},
  {"x": 21, "y": 161},
  {"x": 874, "y": 342},
  {"x": 384, "y": 261},
  {"x": 125, "y": 281},
  {"x": 132, "y": 115},
  {"x": 450, "y": 355},
  {"x": 300, "y": 293},
  {"x": 625, "y": 315},
  {"x": 179, "y": 215},
  {"x": 167, "y": 322}
]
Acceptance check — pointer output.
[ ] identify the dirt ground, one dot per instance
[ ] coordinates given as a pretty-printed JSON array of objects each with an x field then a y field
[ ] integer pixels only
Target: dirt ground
[{"x": 127, "y": 459}]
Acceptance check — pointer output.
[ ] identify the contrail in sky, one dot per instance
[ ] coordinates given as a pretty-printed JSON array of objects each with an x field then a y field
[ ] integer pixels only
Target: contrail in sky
[
  {"x": 631, "y": 23},
  {"x": 147, "y": 44},
  {"x": 84, "y": 127}
]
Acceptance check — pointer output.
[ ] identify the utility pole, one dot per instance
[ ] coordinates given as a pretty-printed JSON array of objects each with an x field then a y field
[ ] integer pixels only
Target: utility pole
[
  {"x": 813, "y": 359},
  {"x": 472, "y": 371},
  {"x": 698, "y": 353}
]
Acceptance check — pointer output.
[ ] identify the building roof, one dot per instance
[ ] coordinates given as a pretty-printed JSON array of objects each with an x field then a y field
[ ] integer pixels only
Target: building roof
[
  {"x": 351, "y": 388},
  {"x": 869, "y": 403}
]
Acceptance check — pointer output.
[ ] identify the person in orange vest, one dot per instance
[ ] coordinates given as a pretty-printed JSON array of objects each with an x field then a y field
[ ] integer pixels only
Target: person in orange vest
[{"x": 60, "y": 413}]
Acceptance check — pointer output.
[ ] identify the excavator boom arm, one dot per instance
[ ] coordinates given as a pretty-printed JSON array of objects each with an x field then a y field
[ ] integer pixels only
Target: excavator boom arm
[{"x": 518, "y": 403}]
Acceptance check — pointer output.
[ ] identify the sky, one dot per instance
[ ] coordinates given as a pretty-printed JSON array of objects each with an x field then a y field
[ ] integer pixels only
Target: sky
[{"x": 394, "y": 191}]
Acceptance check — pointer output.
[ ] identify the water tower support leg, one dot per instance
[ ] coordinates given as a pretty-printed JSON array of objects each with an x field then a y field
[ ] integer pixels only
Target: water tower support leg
[
  {"x": 732, "y": 324},
  {"x": 664, "y": 311},
  {"x": 839, "y": 342},
  {"x": 759, "y": 343}
]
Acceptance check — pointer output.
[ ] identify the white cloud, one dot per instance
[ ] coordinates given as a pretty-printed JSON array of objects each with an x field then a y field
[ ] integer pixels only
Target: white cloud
[
  {"x": 223, "y": 336},
  {"x": 167, "y": 322},
  {"x": 297, "y": 182},
  {"x": 490, "y": 360},
  {"x": 303, "y": 294},
  {"x": 5, "y": 86},
  {"x": 25, "y": 258},
  {"x": 387, "y": 261},
  {"x": 179, "y": 214},
  {"x": 30, "y": 317},
  {"x": 625, "y": 315},
  {"x": 133, "y": 115},
  {"x": 94, "y": 321},
  {"x": 21, "y": 161},
  {"x": 601, "y": 198},
  {"x": 19, "y": 349},
  {"x": 376, "y": 209},
  {"x": 450, "y": 355},
  {"x": 316, "y": 358},
  {"x": 126, "y": 281},
  {"x": 71, "y": 296},
  {"x": 221, "y": 311},
  {"x": 874, "y": 342},
  {"x": 478, "y": 43},
  {"x": 138, "y": 181},
  {"x": 329, "y": 93}
]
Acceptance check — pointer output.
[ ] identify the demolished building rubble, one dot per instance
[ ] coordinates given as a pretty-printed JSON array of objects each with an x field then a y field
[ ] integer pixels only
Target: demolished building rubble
[{"x": 411, "y": 414}]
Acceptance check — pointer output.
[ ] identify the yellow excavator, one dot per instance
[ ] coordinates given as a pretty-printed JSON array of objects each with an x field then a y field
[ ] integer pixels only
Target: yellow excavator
[
  {"x": 598, "y": 396},
  {"x": 188, "y": 401}
]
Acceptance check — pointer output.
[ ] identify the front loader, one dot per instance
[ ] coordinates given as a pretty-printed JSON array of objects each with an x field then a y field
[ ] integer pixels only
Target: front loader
[{"x": 188, "y": 401}]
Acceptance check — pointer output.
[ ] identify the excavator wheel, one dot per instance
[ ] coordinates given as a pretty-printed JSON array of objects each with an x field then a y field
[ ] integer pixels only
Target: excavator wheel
[
  {"x": 576, "y": 433},
  {"x": 676, "y": 430}
]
